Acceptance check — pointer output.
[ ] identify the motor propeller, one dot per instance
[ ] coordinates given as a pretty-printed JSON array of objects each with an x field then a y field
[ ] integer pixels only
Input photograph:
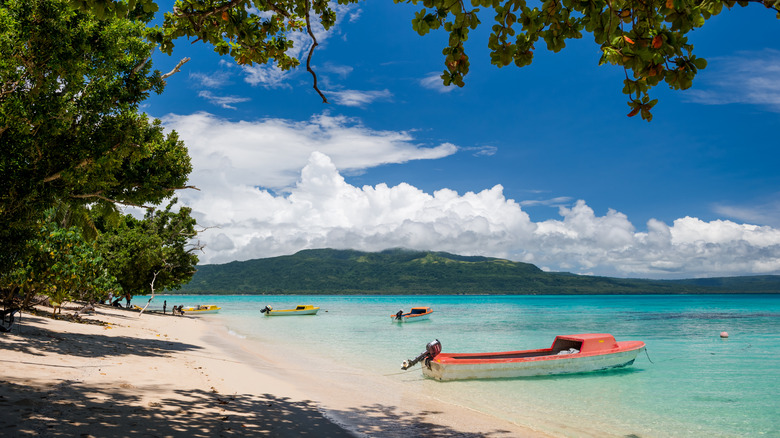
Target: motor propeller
[
  {"x": 431, "y": 350},
  {"x": 266, "y": 309}
]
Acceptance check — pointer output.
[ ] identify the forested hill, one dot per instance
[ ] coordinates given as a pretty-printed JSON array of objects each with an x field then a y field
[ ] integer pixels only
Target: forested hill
[{"x": 397, "y": 271}]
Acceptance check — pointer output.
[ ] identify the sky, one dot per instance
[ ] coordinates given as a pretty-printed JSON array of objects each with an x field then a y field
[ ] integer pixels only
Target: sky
[{"x": 537, "y": 164}]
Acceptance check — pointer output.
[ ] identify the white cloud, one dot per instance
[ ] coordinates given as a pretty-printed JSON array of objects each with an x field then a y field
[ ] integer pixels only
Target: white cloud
[
  {"x": 482, "y": 151},
  {"x": 223, "y": 101},
  {"x": 750, "y": 77},
  {"x": 357, "y": 98},
  {"x": 212, "y": 80},
  {"x": 340, "y": 70},
  {"x": 268, "y": 76},
  {"x": 433, "y": 82},
  {"x": 271, "y": 152},
  {"x": 556, "y": 202},
  {"x": 315, "y": 207},
  {"x": 767, "y": 213}
]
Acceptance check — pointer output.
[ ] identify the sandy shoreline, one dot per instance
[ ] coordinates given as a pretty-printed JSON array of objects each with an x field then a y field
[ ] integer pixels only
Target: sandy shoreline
[{"x": 159, "y": 375}]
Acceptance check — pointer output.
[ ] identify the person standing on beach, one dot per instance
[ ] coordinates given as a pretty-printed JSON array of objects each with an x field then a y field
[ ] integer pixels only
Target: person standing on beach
[{"x": 165, "y": 304}]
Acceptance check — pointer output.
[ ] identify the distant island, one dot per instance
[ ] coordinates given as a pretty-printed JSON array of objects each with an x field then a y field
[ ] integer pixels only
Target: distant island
[{"x": 400, "y": 271}]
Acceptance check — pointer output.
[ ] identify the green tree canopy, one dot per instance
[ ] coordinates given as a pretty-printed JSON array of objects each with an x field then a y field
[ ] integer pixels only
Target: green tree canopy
[
  {"x": 155, "y": 250},
  {"x": 250, "y": 31},
  {"x": 70, "y": 129},
  {"x": 648, "y": 38},
  {"x": 60, "y": 265}
]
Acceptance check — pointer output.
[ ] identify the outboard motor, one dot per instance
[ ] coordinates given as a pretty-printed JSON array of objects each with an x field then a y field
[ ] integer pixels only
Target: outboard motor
[
  {"x": 399, "y": 315},
  {"x": 431, "y": 350},
  {"x": 266, "y": 309}
]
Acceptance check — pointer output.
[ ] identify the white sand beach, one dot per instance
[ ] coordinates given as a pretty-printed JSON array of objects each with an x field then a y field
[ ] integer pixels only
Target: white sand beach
[{"x": 126, "y": 375}]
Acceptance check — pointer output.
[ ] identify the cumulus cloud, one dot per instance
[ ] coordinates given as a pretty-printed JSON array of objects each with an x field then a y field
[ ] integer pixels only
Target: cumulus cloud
[
  {"x": 321, "y": 209},
  {"x": 749, "y": 77}
]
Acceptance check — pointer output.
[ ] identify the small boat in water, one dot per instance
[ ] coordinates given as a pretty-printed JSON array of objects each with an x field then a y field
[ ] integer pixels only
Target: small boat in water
[
  {"x": 416, "y": 314},
  {"x": 298, "y": 310},
  {"x": 568, "y": 354},
  {"x": 200, "y": 309}
]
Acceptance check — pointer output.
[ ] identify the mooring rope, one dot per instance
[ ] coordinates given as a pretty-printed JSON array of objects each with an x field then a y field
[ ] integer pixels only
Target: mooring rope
[{"x": 648, "y": 356}]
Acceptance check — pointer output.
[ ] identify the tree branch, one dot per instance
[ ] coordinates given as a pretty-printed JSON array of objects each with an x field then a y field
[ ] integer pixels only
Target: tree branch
[
  {"x": 175, "y": 69},
  {"x": 171, "y": 189},
  {"x": 151, "y": 297},
  {"x": 113, "y": 201},
  {"x": 311, "y": 52},
  {"x": 84, "y": 163}
]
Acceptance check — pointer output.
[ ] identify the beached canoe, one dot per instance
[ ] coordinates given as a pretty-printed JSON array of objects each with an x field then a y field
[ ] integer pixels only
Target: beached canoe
[
  {"x": 568, "y": 354},
  {"x": 416, "y": 314},
  {"x": 298, "y": 310},
  {"x": 200, "y": 309}
]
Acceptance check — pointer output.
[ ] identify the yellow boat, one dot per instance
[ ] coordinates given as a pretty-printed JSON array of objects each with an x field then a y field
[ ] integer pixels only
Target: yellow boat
[
  {"x": 299, "y": 310},
  {"x": 201, "y": 309}
]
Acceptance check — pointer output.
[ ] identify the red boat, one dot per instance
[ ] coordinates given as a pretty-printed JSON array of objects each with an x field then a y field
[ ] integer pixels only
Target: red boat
[{"x": 568, "y": 354}]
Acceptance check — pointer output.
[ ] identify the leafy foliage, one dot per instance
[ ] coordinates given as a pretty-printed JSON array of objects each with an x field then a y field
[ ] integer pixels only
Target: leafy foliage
[
  {"x": 647, "y": 38},
  {"x": 70, "y": 130},
  {"x": 250, "y": 31},
  {"x": 327, "y": 271},
  {"x": 62, "y": 266},
  {"x": 153, "y": 251}
]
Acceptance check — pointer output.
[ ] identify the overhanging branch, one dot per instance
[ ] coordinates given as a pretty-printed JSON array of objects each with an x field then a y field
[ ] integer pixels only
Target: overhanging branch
[{"x": 311, "y": 52}]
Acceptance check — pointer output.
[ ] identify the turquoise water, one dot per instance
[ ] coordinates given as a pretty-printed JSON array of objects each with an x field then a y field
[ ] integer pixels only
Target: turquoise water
[{"x": 696, "y": 385}]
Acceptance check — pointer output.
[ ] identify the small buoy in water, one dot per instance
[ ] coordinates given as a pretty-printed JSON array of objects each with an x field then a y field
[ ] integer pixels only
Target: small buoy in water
[{"x": 724, "y": 334}]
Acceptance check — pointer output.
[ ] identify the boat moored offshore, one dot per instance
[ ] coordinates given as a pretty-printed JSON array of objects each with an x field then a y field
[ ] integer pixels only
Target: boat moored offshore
[
  {"x": 298, "y": 310},
  {"x": 568, "y": 354},
  {"x": 200, "y": 309},
  {"x": 416, "y": 314}
]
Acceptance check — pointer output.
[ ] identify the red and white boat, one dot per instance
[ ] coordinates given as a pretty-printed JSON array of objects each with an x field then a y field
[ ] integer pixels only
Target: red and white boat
[
  {"x": 416, "y": 314},
  {"x": 568, "y": 354}
]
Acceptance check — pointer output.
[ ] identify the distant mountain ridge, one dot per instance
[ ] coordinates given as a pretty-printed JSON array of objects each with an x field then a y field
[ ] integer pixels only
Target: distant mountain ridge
[{"x": 401, "y": 271}]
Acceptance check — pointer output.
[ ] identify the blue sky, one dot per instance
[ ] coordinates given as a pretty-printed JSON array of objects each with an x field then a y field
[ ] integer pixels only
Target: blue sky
[{"x": 538, "y": 164}]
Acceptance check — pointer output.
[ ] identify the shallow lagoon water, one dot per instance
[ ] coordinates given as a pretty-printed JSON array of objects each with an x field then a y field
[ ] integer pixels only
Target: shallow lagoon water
[{"x": 696, "y": 385}]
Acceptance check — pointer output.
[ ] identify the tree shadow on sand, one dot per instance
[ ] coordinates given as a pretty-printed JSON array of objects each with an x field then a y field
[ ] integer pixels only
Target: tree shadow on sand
[
  {"x": 40, "y": 340},
  {"x": 390, "y": 421},
  {"x": 74, "y": 409}
]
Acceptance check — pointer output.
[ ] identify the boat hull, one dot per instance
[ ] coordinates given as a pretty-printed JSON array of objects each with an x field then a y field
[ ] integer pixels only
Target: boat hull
[
  {"x": 416, "y": 314},
  {"x": 195, "y": 311},
  {"x": 538, "y": 366},
  {"x": 411, "y": 318},
  {"x": 293, "y": 312},
  {"x": 568, "y": 354}
]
